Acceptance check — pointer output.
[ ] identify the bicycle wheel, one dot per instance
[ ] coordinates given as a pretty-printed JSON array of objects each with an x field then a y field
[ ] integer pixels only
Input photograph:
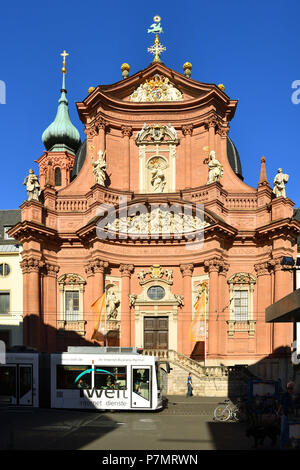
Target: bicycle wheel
[{"x": 222, "y": 413}]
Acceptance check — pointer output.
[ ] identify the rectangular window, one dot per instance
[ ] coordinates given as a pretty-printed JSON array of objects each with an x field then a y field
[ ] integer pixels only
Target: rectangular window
[
  {"x": 110, "y": 378},
  {"x": 72, "y": 305},
  {"x": 4, "y": 302},
  {"x": 141, "y": 382},
  {"x": 241, "y": 305},
  {"x": 73, "y": 377}
]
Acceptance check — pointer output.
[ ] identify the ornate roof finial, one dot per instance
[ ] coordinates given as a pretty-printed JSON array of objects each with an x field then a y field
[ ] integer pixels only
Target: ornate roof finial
[
  {"x": 157, "y": 48},
  {"x": 263, "y": 180},
  {"x": 61, "y": 135}
]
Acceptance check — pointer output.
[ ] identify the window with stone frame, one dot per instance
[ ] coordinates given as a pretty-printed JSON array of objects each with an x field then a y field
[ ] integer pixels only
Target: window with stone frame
[
  {"x": 241, "y": 302},
  {"x": 241, "y": 286},
  {"x": 72, "y": 305},
  {"x": 71, "y": 288}
]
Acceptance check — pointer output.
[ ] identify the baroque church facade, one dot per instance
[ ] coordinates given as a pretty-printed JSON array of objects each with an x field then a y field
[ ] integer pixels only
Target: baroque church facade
[{"x": 152, "y": 209}]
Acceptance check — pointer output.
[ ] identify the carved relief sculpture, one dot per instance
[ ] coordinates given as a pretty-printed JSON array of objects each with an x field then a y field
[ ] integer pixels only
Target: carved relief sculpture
[{"x": 158, "y": 88}]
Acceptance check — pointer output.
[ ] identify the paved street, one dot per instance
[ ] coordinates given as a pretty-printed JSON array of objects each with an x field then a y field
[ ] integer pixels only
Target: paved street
[{"x": 185, "y": 424}]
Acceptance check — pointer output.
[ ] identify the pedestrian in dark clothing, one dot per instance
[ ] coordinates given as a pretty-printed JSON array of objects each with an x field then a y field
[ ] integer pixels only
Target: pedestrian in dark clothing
[
  {"x": 285, "y": 409},
  {"x": 189, "y": 385}
]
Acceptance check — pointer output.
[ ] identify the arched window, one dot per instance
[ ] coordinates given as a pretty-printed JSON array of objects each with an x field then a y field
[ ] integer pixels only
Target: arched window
[{"x": 57, "y": 176}]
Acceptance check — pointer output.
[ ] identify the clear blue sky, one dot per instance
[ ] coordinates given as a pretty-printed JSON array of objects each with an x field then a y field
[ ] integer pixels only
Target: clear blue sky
[{"x": 253, "y": 48}]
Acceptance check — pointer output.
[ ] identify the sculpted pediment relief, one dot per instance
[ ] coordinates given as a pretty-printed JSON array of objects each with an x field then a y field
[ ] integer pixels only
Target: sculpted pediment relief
[{"x": 158, "y": 88}]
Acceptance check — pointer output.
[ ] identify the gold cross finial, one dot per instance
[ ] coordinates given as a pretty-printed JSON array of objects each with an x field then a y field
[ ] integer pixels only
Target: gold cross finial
[{"x": 64, "y": 54}]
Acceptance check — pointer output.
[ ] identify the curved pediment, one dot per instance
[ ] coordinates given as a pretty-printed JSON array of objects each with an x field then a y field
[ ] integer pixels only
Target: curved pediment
[{"x": 156, "y": 84}]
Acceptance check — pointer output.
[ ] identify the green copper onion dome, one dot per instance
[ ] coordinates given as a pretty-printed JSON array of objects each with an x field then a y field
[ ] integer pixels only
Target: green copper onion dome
[{"x": 61, "y": 135}]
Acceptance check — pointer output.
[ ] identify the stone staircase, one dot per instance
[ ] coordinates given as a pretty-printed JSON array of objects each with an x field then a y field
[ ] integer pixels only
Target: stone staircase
[{"x": 208, "y": 381}]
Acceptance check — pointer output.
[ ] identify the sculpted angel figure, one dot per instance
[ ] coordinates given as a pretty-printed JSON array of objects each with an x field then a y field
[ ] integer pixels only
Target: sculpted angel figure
[
  {"x": 141, "y": 275},
  {"x": 169, "y": 274},
  {"x": 279, "y": 183},
  {"x": 99, "y": 168},
  {"x": 215, "y": 169},
  {"x": 32, "y": 186},
  {"x": 157, "y": 178},
  {"x": 132, "y": 299},
  {"x": 179, "y": 299}
]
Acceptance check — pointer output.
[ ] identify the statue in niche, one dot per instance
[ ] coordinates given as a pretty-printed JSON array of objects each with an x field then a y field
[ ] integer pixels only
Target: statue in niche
[
  {"x": 112, "y": 303},
  {"x": 279, "y": 183},
  {"x": 99, "y": 168},
  {"x": 215, "y": 169},
  {"x": 158, "y": 180},
  {"x": 32, "y": 186}
]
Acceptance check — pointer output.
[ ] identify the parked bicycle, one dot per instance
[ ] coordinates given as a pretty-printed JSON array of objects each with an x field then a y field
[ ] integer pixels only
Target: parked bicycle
[{"x": 229, "y": 411}]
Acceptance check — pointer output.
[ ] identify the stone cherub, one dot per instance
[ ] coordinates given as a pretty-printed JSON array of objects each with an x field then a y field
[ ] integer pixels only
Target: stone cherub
[{"x": 32, "y": 186}]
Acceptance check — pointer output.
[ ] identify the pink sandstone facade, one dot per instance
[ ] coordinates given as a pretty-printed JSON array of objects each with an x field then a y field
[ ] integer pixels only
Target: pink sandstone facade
[{"x": 246, "y": 232}]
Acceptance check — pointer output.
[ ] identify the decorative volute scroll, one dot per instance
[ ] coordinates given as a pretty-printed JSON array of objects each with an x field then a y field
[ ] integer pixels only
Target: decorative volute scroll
[{"x": 158, "y": 88}]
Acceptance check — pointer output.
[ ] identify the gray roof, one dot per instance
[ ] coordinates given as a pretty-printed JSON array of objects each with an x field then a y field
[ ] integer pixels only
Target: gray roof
[{"x": 8, "y": 218}]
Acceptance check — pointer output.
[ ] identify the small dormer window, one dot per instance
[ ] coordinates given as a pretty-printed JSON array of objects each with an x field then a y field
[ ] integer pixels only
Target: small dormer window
[{"x": 5, "y": 235}]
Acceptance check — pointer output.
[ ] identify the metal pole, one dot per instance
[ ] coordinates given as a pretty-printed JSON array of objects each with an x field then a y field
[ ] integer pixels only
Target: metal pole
[{"x": 204, "y": 327}]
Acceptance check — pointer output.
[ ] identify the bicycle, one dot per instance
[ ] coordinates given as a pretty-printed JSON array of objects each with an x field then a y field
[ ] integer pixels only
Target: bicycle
[{"x": 229, "y": 411}]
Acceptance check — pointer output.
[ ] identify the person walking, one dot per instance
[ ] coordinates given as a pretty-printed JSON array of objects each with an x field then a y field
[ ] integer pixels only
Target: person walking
[
  {"x": 285, "y": 409},
  {"x": 189, "y": 385}
]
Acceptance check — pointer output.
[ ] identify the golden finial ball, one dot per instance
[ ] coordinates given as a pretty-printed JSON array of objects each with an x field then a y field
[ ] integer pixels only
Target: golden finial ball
[
  {"x": 187, "y": 68},
  {"x": 125, "y": 67},
  {"x": 221, "y": 86},
  {"x": 187, "y": 65},
  {"x": 125, "y": 70},
  {"x": 91, "y": 89},
  {"x": 64, "y": 70}
]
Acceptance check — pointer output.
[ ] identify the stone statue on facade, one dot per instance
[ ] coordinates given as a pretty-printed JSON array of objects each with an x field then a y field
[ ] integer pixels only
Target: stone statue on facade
[
  {"x": 179, "y": 299},
  {"x": 112, "y": 303},
  {"x": 32, "y": 186},
  {"x": 215, "y": 169},
  {"x": 132, "y": 300},
  {"x": 279, "y": 183},
  {"x": 169, "y": 274},
  {"x": 99, "y": 168},
  {"x": 158, "y": 181}
]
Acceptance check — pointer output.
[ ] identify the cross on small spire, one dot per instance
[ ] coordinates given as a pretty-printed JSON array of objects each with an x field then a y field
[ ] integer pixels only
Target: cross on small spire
[{"x": 64, "y": 55}]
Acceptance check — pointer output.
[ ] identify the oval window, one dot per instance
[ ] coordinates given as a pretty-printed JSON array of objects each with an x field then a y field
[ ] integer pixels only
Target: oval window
[
  {"x": 4, "y": 269},
  {"x": 156, "y": 292}
]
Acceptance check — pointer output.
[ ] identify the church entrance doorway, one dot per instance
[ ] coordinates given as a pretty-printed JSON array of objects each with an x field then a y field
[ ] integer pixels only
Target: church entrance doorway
[{"x": 156, "y": 333}]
